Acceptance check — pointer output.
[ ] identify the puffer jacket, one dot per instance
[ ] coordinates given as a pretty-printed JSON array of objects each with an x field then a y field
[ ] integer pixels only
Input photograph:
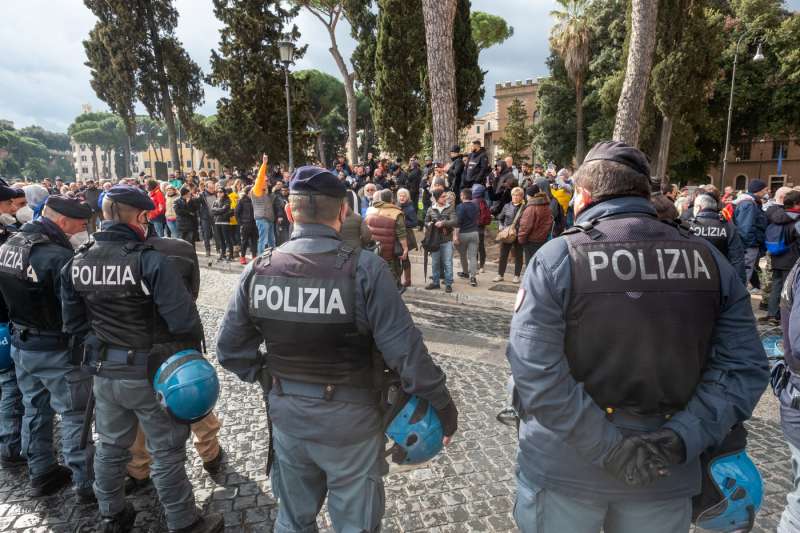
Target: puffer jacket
[
  {"x": 536, "y": 221},
  {"x": 244, "y": 212},
  {"x": 750, "y": 220}
]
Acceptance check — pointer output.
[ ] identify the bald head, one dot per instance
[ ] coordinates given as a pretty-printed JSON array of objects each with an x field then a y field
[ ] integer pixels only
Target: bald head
[{"x": 121, "y": 213}]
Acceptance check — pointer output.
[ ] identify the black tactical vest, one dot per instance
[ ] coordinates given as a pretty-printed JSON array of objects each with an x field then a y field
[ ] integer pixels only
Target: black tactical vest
[
  {"x": 304, "y": 306},
  {"x": 644, "y": 301},
  {"x": 30, "y": 296},
  {"x": 787, "y": 300},
  {"x": 714, "y": 230},
  {"x": 107, "y": 274}
]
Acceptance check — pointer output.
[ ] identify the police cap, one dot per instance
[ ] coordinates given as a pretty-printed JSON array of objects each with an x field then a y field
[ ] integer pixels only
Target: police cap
[
  {"x": 132, "y": 196},
  {"x": 70, "y": 208},
  {"x": 316, "y": 180},
  {"x": 621, "y": 153}
]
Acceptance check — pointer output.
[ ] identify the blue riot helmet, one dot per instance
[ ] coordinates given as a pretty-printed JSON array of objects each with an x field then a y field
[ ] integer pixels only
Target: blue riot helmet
[
  {"x": 416, "y": 431},
  {"x": 739, "y": 491},
  {"x": 186, "y": 386},
  {"x": 5, "y": 347}
]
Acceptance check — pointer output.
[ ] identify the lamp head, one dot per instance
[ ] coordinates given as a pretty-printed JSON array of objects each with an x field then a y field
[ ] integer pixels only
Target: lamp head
[
  {"x": 759, "y": 54},
  {"x": 286, "y": 50}
]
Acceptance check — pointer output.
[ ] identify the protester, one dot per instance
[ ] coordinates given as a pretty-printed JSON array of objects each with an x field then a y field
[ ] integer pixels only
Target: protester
[
  {"x": 478, "y": 166},
  {"x": 783, "y": 245},
  {"x": 509, "y": 218},
  {"x": 247, "y": 226},
  {"x": 263, "y": 208},
  {"x": 465, "y": 237},
  {"x": 283, "y": 226},
  {"x": 186, "y": 210},
  {"x": 387, "y": 225},
  {"x": 484, "y": 219},
  {"x": 439, "y": 223},
  {"x": 751, "y": 222},
  {"x": 156, "y": 216},
  {"x": 535, "y": 223},
  {"x": 409, "y": 208},
  {"x": 169, "y": 210},
  {"x": 208, "y": 195},
  {"x": 222, "y": 212}
]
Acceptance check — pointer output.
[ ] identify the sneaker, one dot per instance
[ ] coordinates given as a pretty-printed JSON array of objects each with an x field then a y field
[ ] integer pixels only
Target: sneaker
[
  {"x": 242, "y": 260},
  {"x": 53, "y": 481},
  {"x": 497, "y": 278},
  {"x": 432, "y": 286},
  {"x": 122, "y": 522},
  {"x": 214, "y": 465},
  {"x": 515, "y": 280},
  {"x": 473, "y": 282},
  {"x": 463, "y": 275},
  {"x": 133, "y": 485},
  {"x": 448, "y": 289},
  {"x": 85, "y": 495},
  {"x": 211, "y": 523},
  {"x": 13, "y": 461}
]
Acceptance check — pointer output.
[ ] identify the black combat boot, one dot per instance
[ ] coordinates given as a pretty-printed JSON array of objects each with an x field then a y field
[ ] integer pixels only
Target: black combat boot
[
  {"x": 122, "y": 522},
  {"x": 215, "y": 465},
  {"x": 53, "y": 481}
]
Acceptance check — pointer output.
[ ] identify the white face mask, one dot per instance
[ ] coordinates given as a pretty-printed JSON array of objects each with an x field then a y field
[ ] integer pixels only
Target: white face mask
[
  {"x": 7, "y": 219},
  {"x": 79, "y": 239},
  {"x": 25, "y": 214}
]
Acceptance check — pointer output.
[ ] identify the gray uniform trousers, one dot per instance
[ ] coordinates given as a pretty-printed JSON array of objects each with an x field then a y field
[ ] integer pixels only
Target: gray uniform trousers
[
  {"x": 11, "y": 411},
  {"x": 539, "y": 510},
  {"x": 51, "y": 384},
  {"x": 351, "y": 476},
  {"x": 122, "y": 405}
]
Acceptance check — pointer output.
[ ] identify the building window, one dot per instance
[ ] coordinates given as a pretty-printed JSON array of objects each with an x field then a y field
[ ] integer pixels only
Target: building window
[
  {"x": 477, "y": 129},
  {"x": 743, "y": 151},
  {"x": 169, "y": 164},
  {"x": 779, "y": 149},
  {"x": 488, "y": 126},
  {"x": 188, "y": 163},
  {"x": 775, "y": 183},
  {"x": 147, "y": 164},
  {"x": 83, "y": 158},
  {"x": 84, "y": 170},
  {"x": 83, "y": 147},
  {"x": 741, "y": 182}
]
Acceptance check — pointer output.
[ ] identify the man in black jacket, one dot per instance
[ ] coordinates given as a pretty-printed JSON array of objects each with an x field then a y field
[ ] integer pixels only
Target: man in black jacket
[
  {"x": 91, "y": 195},
  {"x": 455, "y": 174},
  {"x": 477, "y": 167},
  {"x": 186, "y": 211}
]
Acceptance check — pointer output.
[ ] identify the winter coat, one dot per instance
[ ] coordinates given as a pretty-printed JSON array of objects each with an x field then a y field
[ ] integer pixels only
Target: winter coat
[
  {"x": 477, "y": 168},
  {"x": 410, "y": 212},
  {"x": 92, "y": 197},
  {"x": 204, "y": 206},
  {"x": 186, "y": 213},
  {"x": 447, "y": 214},
  {"x": 161, "y": 205},
  {"x": 279, "y": 204},
  {"x": 169, "y": 210},
  {"x": 244, "y": 212},
  {"x": 776, "y": 214},
  {"x": 536, "y": 221},
  {"x": 750, "y": 220},
  {"x": 506, "y": 217},
  {"x": 355, "y": 232},
  {"x": 221, "y": 210},
  {"x": 455, "y": 174}
]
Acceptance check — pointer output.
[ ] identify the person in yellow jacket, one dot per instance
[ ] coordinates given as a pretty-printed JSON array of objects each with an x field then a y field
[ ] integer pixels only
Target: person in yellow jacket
[{"x": 234, "y": 197}]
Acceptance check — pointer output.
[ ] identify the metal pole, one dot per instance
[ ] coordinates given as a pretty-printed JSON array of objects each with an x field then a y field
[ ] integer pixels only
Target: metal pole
[
  {"x": 730, "y": 116},
  {"x": 289, "y": 118}
]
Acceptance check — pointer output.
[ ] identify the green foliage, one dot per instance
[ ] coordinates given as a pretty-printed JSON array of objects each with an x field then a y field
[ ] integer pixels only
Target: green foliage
[
  {"x": 51, "y": 139},
  {"x": 398, "y": 105},
  {"x": 489, "y": 30},
  {"x": 554, "y": 131},
  {"x": 469, "y": 76},
  {"x": 517, "y": 137},
  {"x": 326, "y": 112},
  {"x": 33, "y": 152},
  {"x": 252, "y": 118}
]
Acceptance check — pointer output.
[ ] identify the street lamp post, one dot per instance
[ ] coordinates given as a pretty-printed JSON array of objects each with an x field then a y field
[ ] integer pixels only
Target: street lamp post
[
  {"x": 286, "y": 49},
  {"x": 758, "y": 57}
]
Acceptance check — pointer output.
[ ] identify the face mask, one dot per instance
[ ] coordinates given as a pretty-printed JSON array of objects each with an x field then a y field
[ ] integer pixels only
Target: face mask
[
  {"x": 25, "y": 214},
  {"x": 79, "y": 239},
  {"x": 7, "y": 219}
]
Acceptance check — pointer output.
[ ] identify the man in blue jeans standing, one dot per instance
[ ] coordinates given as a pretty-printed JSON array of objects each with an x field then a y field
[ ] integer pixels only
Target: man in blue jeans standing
[
  {"x": 263, "y": 209},
  {"x": 751, "y": 222},
  {"x": 441, "y": 219}
]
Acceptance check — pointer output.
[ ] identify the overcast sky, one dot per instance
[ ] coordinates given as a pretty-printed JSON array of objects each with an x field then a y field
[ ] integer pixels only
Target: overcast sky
[{"x": 43, "y": 80}]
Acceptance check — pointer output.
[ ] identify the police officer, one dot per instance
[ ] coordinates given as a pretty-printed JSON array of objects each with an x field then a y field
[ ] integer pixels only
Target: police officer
[
  {"x": 135, "y": 311},
  {"x": 710, "y": 225},
  {"x": 49, "y": 375},
  {"x": 323, "y": 310},
  {"x": 633, "y": 349},
  {"x": 11, "y": 409}
]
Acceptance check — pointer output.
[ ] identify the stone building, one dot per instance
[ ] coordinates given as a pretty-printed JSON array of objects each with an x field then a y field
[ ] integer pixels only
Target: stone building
[{"x": 759, "y": 159}]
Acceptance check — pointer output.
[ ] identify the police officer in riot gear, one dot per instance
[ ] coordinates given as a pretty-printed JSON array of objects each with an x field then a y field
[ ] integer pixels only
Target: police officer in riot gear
[
  {"x": 130, "y": 303},
  {"x": 48, "y": 372},
  {"x": 11, "y": 409},
  {"x": 323, "y": 311},
  {"x": 709, "y": 224},
  {"x": 633, "y": 349}
]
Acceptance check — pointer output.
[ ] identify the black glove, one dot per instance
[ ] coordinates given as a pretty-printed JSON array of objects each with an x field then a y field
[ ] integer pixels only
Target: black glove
[
  {"x": 635, "y": 462},
  {"x": 448, "y": 416},
  {"x": 668, "y": 443}
]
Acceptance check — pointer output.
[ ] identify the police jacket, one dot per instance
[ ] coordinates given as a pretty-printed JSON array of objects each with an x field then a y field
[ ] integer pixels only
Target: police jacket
[
  {"x": 565, "y": 435},
  {"x": 30, "y": 267},
  {"x": 790, "y": 325},
  {"x": 710, "y": 225},
  {"x": 127, "y": 294},
  {"x": 5, "y": 233},
  {"x": 379, "y": 312},
  {"x": 477, "y": 168}
]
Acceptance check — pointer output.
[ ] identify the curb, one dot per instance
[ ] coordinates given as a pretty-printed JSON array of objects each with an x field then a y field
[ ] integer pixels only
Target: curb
[{"x": 461, "y": 298}]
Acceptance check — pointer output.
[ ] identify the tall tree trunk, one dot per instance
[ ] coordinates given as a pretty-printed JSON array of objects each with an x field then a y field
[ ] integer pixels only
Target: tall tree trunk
[
  {"x": 321, "y": 150},
  {"x": 580, "y": 141},
  {"x": 663, "y": 148},
  {"x": 95, "y": 170},
  {"x": 126, "y": 151},
  {"x": 166, "y": 99},
  {"x": 348, "y": 78},
  {"x": 439, "y": 16},
  {"x": 644, "y": 14}
]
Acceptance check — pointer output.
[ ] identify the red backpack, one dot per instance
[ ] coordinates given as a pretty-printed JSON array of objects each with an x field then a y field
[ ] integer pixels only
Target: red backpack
[{"x": 484, "y": 215}]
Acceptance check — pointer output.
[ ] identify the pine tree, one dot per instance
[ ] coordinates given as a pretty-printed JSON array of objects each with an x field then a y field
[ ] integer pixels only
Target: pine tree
[
  {"x": 252, "y": 119},
  {"x": 469, "y": 76},
  {"x": 398, "y": 105},
  {"x": 517, "y": 137}
]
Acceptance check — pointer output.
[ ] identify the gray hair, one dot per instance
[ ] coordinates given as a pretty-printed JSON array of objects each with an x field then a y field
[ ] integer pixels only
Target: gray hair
[
  {"x": 384, "y": 195},
  {"x": 704, "y": 201}
]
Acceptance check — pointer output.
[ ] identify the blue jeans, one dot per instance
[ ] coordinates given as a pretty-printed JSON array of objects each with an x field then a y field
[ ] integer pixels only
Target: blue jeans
[
  {"x": 11, "y": 411},
  {"x": 173, "y": 228},
  {"x": 539, "y": 510},
  {"x": 159, "y": 227},
  {"x": 266, "y": 234},
  {"x": 50, "y": 384},
  {"x": 444, "y": 253},
  {"x": 351, "y": 476}
]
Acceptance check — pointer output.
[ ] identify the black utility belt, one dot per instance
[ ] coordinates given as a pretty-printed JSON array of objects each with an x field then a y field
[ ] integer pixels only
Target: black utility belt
[
  {"x": 328, "y": 392},
  {"x": 25, "y": 331},
  {"x": 119, "y": 355}
]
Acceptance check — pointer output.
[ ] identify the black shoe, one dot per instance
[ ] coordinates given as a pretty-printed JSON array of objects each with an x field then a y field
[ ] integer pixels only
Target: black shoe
[
  {"x": 85, "y": 496},
  {"x": 122, "y": 522},
  {"x": 463, "y": 275},
  {"x": 215, "y": 465},
  {"x": 448, "y": 289},
  {"x": 133, "y": 485},
  {"x": 13, "y": 461},
  {"x": 767, "y": 319},
  {"x": 211, "y": 523},
  {"x": 473, "y": 282},
  {"x": 53, "y": 481},
  {"x": 432, "y": 286}
]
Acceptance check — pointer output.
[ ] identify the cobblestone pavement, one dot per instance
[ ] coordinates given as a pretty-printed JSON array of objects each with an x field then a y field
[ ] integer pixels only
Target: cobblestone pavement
[{"x": 468, "y": 488}]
